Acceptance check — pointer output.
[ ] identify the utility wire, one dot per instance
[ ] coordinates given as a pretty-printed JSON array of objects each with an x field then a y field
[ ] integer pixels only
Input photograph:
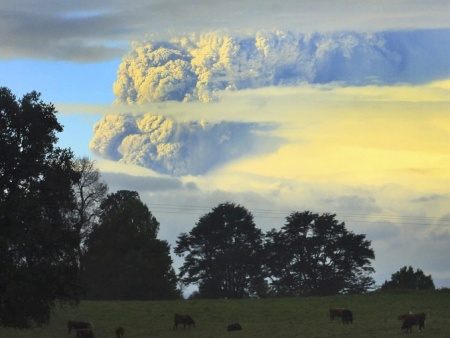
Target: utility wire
[{"x": 282, "y": 214}]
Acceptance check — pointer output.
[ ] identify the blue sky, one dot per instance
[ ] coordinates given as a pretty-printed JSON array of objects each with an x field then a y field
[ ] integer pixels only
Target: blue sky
[
  {"x": 65, "y": 82},
  {"x": 62, "y": 81},
  {"x": 328, "y": 106}
]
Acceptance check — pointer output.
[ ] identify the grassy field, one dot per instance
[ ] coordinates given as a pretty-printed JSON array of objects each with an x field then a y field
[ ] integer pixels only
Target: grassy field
[{"x": 375, "y": 315}]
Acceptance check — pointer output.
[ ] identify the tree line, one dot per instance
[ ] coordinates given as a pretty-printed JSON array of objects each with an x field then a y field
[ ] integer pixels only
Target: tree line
[
  {"x": 63, "y": 237},
  {"x": 226, "y": 255}
]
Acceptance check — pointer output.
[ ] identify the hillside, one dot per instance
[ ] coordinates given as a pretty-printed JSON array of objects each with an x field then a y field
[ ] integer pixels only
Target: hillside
[{"x": 375, "y": 315}]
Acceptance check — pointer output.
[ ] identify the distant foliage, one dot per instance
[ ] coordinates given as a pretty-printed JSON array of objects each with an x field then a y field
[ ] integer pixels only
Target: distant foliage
[
  {"x": 124, "y": 259},
  {"x": 38, "y": 261},
  {"x": 408, "y": 279}
]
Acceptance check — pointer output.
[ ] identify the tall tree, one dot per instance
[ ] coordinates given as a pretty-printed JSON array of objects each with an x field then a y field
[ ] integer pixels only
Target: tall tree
[
  {"x": 37, "y": 244},
  {"x": 408, "y": 279},
  {"x": 89, "y": 192},
  {"x": 124, "y": 259},
  {"x": 223, "y": 253},
  {"x": 315, "y": 254}
]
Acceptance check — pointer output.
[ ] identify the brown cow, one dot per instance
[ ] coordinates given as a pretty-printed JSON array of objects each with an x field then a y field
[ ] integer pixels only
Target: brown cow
[
  {"x": 119, "y": 332},
  {"x": 78, "y": 325},
  {"x": 336, "y": 312},
  {"x": 85, "y": 333},
  {"x": 404, "y": 315},
  {"x": 183, "y": 319},
  {"x": 413, "y": 319}
]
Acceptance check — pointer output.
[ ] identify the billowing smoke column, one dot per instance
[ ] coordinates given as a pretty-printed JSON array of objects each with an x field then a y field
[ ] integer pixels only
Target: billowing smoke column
[
  {"x": 200, "y": 67},
  {"x": 168, "y": 147}
]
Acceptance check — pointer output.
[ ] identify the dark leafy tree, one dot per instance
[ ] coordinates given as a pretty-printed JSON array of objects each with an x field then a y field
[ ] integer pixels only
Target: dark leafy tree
[
  {"x": 223, "y": 253},
  {"x": 315, "y": 254},
  {"x": 89, "y": 191},
  {"x": 124, "y": 259},
  {"x": 408, "y": 279},
  {"x": 38, "y": 266}
]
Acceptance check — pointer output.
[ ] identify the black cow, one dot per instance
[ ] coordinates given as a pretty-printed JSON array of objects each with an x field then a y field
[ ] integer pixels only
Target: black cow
[
  {"x": 413, "y": 319},
  {"x": 234, "y": 327},
  {"x": 347, "y": 317},
  {"x": 119, "y": 332}
]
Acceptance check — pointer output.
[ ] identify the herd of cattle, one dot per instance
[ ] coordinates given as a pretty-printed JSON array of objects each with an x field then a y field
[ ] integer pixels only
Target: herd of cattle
[
  {"x": 409, "y": 319},
  {"x": 84, "y": 329}
]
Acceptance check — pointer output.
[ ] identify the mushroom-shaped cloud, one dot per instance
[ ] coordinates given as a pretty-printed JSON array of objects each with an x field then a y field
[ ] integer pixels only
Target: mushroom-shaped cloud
[{"x": 170, "y": 147}]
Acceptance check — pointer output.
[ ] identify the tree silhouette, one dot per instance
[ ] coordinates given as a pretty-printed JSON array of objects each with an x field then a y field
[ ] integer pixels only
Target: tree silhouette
[
  {"x": 38, "y": 262},
  {"x": 315, "y": 254},
  {"x": 89, "y": 191},
  {"x": 124, "y": 259},
  {"x": 223, "y": 253}
]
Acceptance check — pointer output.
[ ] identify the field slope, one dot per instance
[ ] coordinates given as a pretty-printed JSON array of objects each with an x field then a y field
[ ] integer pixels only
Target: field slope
[{"x": 375, "y": 315}]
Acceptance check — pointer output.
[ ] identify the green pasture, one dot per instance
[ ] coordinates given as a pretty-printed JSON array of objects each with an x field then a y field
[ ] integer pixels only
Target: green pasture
[{"x": 375, "y": 315}]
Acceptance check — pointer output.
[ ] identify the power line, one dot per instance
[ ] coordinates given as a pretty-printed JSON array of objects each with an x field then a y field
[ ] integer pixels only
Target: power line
[{"x": 282, "y": 214}]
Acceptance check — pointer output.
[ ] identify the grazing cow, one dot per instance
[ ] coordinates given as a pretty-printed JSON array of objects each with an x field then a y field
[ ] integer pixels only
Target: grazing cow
[
  {"x": 183, "y": 319},
  {"x": 336, "y": 312},
  {"x": 347, "y": 317},
  {"x": 234, "y": 327},
  {"x": 119, "y": 332},
  {"x": 78, "y": 325},
  {"x": 85, "y": 333},
  {"x": 413, "y": 319}
]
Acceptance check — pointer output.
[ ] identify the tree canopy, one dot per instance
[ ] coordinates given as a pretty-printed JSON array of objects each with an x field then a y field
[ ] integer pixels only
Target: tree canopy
[
  {"x": 37, "y": 243},
  {"x": 312, "y": 254},
  {"x": 315, "y": 254},
  {"x": 223, "y": 253},
  {"x": 124, "y": 259},
  {"x": 408, "y": 279}
]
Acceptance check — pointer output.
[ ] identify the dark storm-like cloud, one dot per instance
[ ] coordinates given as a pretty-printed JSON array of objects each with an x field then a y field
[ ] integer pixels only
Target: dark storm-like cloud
[
  {"x": 93, "y": 31},
  {"x": 58, "y": 35}
]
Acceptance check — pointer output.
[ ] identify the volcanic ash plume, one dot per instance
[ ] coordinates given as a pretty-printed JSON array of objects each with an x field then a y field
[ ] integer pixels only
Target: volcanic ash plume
[
  {"x": 200, "y": 67},
  {"x": 171, "y": 147}
]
